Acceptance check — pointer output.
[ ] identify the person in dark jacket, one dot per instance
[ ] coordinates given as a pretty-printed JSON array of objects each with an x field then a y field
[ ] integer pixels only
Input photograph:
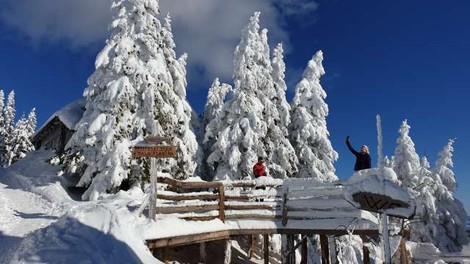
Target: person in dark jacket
[{"x": 363, "y": 160}]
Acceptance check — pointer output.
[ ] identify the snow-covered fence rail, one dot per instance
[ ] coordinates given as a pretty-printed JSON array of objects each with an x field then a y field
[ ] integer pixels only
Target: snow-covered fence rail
[{"x": 203, "y": 201}]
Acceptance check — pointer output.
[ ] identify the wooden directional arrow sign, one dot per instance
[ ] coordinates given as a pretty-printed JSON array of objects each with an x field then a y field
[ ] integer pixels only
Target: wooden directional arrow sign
[{"x": 154, "y": 151}]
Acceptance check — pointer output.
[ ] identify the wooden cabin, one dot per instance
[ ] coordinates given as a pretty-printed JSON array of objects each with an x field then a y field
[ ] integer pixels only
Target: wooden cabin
[{"x": 59, "y": 128}]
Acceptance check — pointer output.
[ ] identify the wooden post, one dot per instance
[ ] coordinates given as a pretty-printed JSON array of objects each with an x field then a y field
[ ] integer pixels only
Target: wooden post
[
  {"x": 304, "y": 250},
  {"x": 325, "y": 254},
  {"x": 385, "y": 239},
  {"x": 266, "y": 249},
  {"x": 365, "y": 251},
  {"x": 153, "y": 189},
  {"x": 251, "y": 243},
  {"x": 288, "y": 253},
  {"x": 332, "y": 246},
  {"x": 284, "y": 208},
  {"x": 202, "y": 252},
  {"x": 228, "y": 251},
  {"x": 166, "y": 255},
  {"x": 221, "y": 203}
]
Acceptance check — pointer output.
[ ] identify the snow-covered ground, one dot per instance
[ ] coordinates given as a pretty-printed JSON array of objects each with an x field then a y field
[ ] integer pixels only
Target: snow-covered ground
[{"x": 41, "y": 222}]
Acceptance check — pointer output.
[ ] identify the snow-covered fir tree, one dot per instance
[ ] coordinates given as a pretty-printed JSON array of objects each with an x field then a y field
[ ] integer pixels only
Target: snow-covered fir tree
[
  {"x": 21, "y": 140},
  {"x": 449, "y": 232},
  {"x": 406, "y": 160},
  {"x": 9, "y": 113},
  {"x": 212, "y": 110},
  {"x": 249, "y": 124},
  {"x": 241, "y": 127},
  {"x": 2, "y": 126},
  {"x": 308, "y": 129},
  {"x": 444, "y": 166},
  {"x": 424, "y": 192},
  {"x": 137, "y": 89},
  {"x": 280, "y": 152}
]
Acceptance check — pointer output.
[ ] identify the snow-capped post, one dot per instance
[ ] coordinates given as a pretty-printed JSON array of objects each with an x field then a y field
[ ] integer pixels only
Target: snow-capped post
[
  {"x": 387, "y": 256},
  {"x": 154, "y": 147}
]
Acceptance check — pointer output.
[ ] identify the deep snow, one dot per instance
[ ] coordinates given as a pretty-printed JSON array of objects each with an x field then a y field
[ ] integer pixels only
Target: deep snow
[{"x": 41, "y": 222}]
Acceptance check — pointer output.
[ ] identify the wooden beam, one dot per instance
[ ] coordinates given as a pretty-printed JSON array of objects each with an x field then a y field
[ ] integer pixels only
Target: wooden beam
[
  {"x": 251, "y": 245},
  {"x": 365, "y": 251},
  {"x": 325, "y": 253},
  {"x": 284, "y": 208},
  {"x": 304, "y": 251},
  {"x": 186, "y": 208},
  {"x": 266, "y": 249},
  {"x": 221, "y": 203},
  {"x": 188, "y": 239},
  {"x": 185, "y": 197}
]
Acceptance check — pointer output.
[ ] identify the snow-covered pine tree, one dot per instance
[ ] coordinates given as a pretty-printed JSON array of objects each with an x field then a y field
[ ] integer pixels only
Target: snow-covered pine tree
[
  {"x": 9, "y": 113},
  {"x": 444, "y": 165},
  {"x": 137, "y": 89},
  {"x": 406, "y": 162},
  {"x": 308, "y": 129},
  {"x": 21, "y": 140},
  {"x": 449, "y": 233},
  {"x": 247, "y": 127},
  {"x": 214, "y": 105},
  {"x": 280, "y": 152},
  {"x": 31, "y": 123},
  {"x": 241, "y": 128},
  {"x": 425, "y": 204},
  {"x": 2, "y": 126}
]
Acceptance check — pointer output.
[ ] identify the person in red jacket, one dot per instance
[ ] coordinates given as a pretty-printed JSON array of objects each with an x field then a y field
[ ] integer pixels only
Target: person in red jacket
[{"x": 259, "y": 169}]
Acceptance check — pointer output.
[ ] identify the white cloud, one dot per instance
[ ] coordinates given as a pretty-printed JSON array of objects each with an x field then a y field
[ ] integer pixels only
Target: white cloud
[
  {"x": 78, "y": 22},
  {"x": 208, "y": 30}
]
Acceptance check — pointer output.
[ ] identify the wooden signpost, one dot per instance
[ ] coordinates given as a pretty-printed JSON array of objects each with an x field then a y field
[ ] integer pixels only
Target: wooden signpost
[{"x": 153, "y": 148}]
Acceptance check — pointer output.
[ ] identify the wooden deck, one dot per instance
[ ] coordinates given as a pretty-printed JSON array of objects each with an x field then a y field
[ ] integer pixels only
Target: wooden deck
[{"x": 243, "y": 209}]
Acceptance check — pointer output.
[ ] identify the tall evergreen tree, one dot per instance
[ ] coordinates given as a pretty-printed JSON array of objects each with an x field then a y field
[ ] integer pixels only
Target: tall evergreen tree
[
  {"x": 406, "y": 163},
  {"x": 449, "y": 232},
  {"x": 9, "y": 113},
  {"x": 249, "y": 124},
  {"x": 280, "y": 151},
  {"x": 31, "y": 123},
  {"x": 20, "y": 143},
  {"x": 240, "y": 128},
  {"x": 444, "y": 165},
  {"x": 212, "y": 110},
  {"x": 424, "y": 193},
  {"x": 308, "y": 129},
  {"x": 137, "y": 89},
  {"x": 2, "y": 126}
]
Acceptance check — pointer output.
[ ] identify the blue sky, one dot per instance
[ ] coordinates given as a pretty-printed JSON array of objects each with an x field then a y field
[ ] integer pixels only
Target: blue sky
[{"x": 405, "y": 59}]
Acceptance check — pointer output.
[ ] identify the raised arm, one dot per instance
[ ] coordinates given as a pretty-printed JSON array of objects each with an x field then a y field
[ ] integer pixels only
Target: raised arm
[{"x": 350, "y": 147}]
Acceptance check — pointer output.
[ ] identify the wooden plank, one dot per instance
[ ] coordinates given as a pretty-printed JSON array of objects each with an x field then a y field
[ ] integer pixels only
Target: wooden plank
[
  {"x": 186, "y": 208},
  {"x": 189, "y": 185},
  {"x": 251, "y": 206},
  {"x": 188, "y": 239},
  {"x": 186, "y": 197},
  {"x": 157, "y": 140},
  {"x": 154, "y": 151},
  {"x": 252, "y": 216},
  {"x": 200, "y": 218}
]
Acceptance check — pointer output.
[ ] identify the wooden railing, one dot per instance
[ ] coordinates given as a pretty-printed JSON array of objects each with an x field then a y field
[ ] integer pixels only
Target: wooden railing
[{"x": 202, "y": 201}]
